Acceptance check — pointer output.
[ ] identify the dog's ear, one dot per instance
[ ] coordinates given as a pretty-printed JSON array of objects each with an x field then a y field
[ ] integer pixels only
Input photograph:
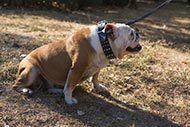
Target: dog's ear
[{"x": 112, "y": 30}]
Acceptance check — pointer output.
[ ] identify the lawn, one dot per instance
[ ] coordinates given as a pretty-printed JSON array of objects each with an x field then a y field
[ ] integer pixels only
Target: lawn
[{"x": 148, "y": 89}]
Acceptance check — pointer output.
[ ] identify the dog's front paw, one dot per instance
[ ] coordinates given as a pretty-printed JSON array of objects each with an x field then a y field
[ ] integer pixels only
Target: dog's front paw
[
  {"x": 100, "y": 88},
  {"x": 71, "y": 101}
]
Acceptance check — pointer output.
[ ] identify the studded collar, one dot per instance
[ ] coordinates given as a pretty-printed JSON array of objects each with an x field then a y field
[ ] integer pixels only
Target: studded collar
[{"x": 103, "y": 36}]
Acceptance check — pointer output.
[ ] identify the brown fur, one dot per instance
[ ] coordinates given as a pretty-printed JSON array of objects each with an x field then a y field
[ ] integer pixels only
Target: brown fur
[
  {"x": 70, "y": 61},
  {"x": 54, "y": 60}
]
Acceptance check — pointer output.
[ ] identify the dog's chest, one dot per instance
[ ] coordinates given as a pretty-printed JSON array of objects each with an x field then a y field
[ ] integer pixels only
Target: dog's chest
[{"x": 94, "y": 67}]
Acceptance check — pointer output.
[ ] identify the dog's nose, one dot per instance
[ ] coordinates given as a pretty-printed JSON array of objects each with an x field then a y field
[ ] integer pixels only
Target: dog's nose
[{"x": 137, "y": 34}]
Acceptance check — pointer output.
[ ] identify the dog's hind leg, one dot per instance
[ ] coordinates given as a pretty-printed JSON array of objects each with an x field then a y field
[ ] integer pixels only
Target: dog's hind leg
[
  {"x": 50, "y": 86},
  {"x": 52, "y": 89},
  {"x": 27, "y": 75}
]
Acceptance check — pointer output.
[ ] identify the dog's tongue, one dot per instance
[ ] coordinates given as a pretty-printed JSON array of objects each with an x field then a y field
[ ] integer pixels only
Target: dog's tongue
[{"x": 136, "y": 49}]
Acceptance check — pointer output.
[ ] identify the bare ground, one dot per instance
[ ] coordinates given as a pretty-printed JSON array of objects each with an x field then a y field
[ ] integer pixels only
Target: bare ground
[{"x": 149, "y": 89}]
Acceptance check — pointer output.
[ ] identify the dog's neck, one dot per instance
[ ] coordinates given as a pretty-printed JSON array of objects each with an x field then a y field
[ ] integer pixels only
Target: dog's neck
[
  {"x": 94, "y": 40},
  {"x": 99, "y": 41},
  {"x": 104, "y": 41}
]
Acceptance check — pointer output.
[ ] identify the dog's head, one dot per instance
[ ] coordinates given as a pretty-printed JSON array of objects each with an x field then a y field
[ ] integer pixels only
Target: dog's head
[{"x": 123, "y": 39}]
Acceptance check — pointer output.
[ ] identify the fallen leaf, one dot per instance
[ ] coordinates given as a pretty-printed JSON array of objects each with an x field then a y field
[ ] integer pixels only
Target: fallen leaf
[{"x": 80, "y": 113}]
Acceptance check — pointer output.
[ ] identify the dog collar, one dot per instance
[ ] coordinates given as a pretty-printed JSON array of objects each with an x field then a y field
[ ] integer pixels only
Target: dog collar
[{"x": 103, "y": 36}]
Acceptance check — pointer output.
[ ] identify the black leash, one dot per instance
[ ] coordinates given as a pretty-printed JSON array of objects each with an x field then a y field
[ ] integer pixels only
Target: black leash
[
  {"x": 103, "y": 36},
  {"x": 149, "y": 13}
]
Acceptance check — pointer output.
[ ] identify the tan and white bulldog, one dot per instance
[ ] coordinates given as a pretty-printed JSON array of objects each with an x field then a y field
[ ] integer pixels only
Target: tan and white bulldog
[{"x": 72, "y": 60}]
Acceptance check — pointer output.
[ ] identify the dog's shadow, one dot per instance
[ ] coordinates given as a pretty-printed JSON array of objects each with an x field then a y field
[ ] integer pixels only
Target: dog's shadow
[{"x": 96, "y": 110}]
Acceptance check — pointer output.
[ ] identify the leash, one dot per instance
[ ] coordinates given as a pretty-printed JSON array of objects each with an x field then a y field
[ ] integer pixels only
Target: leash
[
  {"x": 149, "y": 13},
  {"x": 104, "y": 37}
]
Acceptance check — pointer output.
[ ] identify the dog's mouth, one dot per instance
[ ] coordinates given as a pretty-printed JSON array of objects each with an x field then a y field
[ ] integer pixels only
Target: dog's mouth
[{"x": 136, "y": 49}]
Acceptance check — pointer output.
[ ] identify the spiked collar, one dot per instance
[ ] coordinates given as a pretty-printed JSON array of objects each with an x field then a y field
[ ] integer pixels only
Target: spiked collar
[{"x": 103, "y": 36}]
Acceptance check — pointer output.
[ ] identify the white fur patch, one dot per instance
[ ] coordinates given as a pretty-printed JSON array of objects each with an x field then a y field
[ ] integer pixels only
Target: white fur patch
[{"x": 94, "y": 39}]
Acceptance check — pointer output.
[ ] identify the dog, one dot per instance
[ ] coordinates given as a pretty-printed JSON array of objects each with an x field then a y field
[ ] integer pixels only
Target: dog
[{"x": 70, "y": 61}]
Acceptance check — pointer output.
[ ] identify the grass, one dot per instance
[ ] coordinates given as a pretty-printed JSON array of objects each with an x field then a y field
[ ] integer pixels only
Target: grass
[{"x": 148, "y": 89}]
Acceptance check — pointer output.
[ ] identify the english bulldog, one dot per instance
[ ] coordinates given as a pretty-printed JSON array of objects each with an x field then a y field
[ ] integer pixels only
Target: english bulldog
[{"x": 72, "y": 60}]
